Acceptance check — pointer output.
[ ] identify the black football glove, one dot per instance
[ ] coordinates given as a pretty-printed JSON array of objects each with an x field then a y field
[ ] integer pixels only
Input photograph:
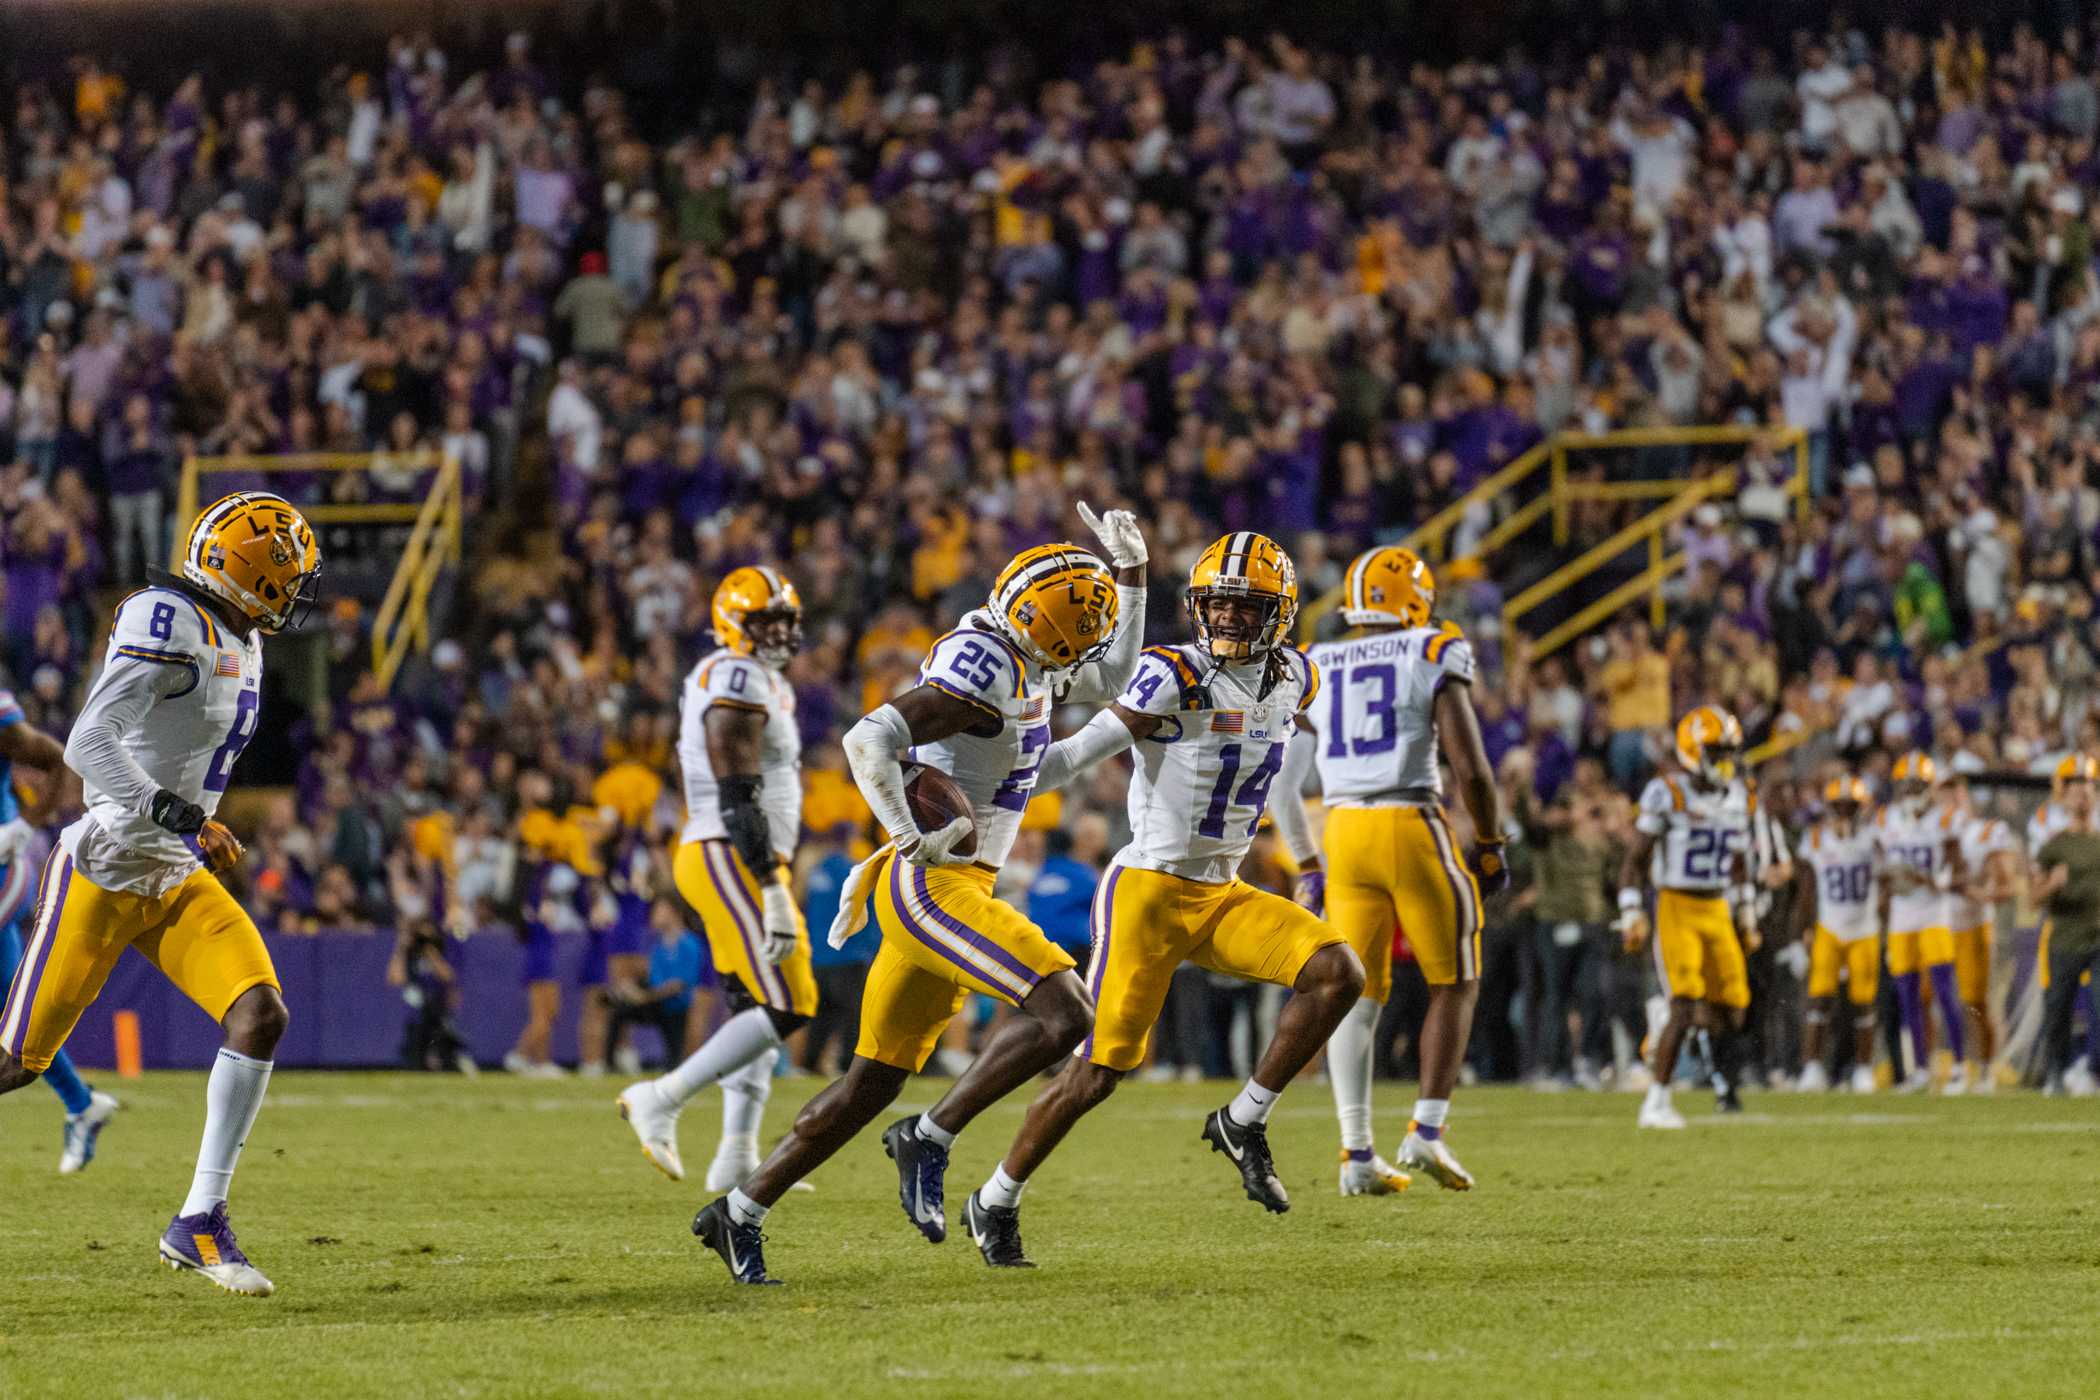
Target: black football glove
[
  {"x": 1491, "y": 868},
  {"x": 171, "y": 813}
]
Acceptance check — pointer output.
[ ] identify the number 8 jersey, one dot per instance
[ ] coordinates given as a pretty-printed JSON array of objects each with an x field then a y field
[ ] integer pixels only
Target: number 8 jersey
[
  {"x": 1202, "y": 780},
  {"x": 1699, "y": 832},
  {"x": 182, "y": 691}
]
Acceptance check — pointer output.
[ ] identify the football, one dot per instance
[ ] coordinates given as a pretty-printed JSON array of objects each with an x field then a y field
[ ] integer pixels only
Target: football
[{"x": 936, "y": 801}]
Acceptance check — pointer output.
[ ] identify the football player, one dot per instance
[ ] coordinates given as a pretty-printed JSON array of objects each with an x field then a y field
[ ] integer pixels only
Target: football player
[
  {"x": 742, "y": 756},
  {"x": 1399, "y": 699},
  {"x": 1210, "y": 723},
  {"x": 87, "y": 1110},
  {"x": 1989, "y": 861},
  {"x": 981, "y": 715},
  {"x": 1691, "y": 843},
  {"x": 1920, "y": 862},
  {"x": 155, "y": 746},
  {"x": 1839, "y": 906}
]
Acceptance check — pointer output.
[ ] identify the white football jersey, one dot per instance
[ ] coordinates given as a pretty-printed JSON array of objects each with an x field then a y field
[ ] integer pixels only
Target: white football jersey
[
  {"x": 1847, "y": 894},
  {"x": 1699, "y": 832},
  {"x": 1202, "y": 780},
  {"x": 996, "y": 771},
  {"x": 724, "y": 677},
  {"x": 1920, "y": 841},
  {"x": 2048, "y": 819},
  {"x": 207, "y": 684},
  {"x": 1978, "y": 839},
  {"x": 1378, "y": 725}
]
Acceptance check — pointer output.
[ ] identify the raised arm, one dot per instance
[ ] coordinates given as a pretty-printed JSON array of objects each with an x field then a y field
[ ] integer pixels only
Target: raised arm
[{"x": 1100, "y": 681}]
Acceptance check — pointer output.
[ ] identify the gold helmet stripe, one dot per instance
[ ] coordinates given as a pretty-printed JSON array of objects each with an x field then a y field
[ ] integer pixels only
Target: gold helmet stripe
[{"x": 1357, "y": 571}]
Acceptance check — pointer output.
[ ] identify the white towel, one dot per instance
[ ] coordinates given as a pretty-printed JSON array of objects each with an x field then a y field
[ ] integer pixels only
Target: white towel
[{"x": 853, "y": 899}]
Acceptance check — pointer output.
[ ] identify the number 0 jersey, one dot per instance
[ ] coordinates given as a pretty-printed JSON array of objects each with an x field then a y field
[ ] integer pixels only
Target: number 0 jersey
[
  {"x": 196, "y": 688},
  {"x": 1378, "y": 725},
  {"x": 1847, "y": 894},
  {"x": 1918, "y": 841},
  {"x": 1699, "y": 831},
  {"x": 1202, "y": 780},
  {"x": 741, "y": 682},
  {"x": 996, "y": 771}
]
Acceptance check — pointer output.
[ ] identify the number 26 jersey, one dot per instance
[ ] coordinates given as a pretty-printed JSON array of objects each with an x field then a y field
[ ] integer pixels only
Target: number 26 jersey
[
  {"x": 1699, "y": 833},
  {"x": 1202, "y": 780}
]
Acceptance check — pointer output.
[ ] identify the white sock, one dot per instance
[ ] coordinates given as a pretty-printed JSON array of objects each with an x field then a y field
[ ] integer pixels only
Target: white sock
[
  {"x": 742, "y": 1039},
  {"x": 1251, "y": 1104},
  {"x": 744, "y": 1096},
  {"x": 1658, "y": 1095},
  {"x": 1349, "y": 1067},
  {"x": 232, "y": 1097},
  {"x": 1002, "y": 1192},
  {"x": 933, "y": 1132},
  {"x": 745, "y": 1211},
  {"x": 1429, "y": 1116}
]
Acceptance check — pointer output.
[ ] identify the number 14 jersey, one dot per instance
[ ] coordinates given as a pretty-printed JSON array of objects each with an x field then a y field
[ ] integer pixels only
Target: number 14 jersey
[{"x": 1202, "y": 780}]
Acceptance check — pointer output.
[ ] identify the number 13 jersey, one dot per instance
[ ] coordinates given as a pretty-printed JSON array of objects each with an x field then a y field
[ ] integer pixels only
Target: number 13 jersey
[
  {"x": 1699, "y": 832},
  {"x": 1378, "y": 721},
  {"x": 1202, "y": 780}
]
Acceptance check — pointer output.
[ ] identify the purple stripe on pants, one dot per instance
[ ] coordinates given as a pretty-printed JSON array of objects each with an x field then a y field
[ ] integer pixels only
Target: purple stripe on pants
[
  {"x": 730, "y": 887},
  {"x": 919, "y": 931},
  {"x": 1104, "y": 924},
  {"x": 997, "y": 954},
  {"x": 23, "y": 1002}
]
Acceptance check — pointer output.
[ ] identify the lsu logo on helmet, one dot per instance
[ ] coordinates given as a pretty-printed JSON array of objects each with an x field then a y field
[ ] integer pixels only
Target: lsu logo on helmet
[
  {"x": 1915, "y": 767},
  {"x": 1709, "y": 744},
  {"x": 254, "y": 551},
  {"x": 757, "y": 612},
  {"x": 1058, "y": 604},
  {"x": 1389, "y": 584},
  {"x": 1244, "y": 565}
]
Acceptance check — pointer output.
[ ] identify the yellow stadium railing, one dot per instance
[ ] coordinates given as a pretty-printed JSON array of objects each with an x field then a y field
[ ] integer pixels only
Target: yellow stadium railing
[{"x": 435, "y": 539}]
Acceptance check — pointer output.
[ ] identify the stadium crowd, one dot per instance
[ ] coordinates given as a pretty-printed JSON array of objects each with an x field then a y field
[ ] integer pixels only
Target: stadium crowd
[{"x": 885, "y": 331}]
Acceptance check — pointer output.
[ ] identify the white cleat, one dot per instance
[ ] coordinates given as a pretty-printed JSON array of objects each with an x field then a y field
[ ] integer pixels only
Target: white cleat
[
  {"x": 1919, "y": 1081},
  {"x": 656, "y": 1124},
  {"x": 2079, "y": 1081},
  {"x": 1957, "y": 1082},
  {"x": 591, "y": 1069},
  {"x": 1371, "y": 1176},
  {"x": 82, "y": 1131},
  {"x": 1814, "y": 1079},
  {"x": 1433, "y": 1158},
  {"x": 1658, "y": 1112},
  {"x": 1863, "y": 1079}
]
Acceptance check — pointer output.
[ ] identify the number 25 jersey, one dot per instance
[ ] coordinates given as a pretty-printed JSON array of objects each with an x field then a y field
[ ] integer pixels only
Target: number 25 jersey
[
  {"x": 1377, "y": 721},
  {"x": 1699, "y": 832},
  {"x": 197, "y": 688},
  {"x": 1202, "y": 780},
  {"x": 995, "y": 770}
]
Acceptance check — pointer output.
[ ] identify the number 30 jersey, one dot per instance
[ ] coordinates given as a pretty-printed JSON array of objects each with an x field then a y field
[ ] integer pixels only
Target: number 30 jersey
[
  {"x": 1699, "y": 832},
  {"x": 1202, "y": 780},
  {"x": 996, "y": 770},
  {"x": 180, "y": 694},
  {"x": 740, "y": 682},
  {"x": 1846, "y": 893},
  {"x": 1378, "y": 723}
]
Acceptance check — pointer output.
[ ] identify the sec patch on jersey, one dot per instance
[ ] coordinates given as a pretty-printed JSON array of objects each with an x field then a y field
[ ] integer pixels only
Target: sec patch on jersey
[{"x": 935, "y": 801}]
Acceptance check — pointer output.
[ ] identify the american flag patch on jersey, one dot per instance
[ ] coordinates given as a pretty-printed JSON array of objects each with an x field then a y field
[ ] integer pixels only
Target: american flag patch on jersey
[
  {"x": 1033, "y": 710},
  {"x": 1228, "y": 722},
  {"x": 228, "y": 665}
]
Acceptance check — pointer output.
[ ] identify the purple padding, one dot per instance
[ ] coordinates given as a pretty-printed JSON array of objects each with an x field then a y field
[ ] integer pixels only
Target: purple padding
[{"x": 344, "y": 1015}]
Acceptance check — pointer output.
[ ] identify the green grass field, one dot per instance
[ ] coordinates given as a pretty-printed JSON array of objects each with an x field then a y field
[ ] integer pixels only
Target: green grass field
[{"x": 435, "y": 1237}]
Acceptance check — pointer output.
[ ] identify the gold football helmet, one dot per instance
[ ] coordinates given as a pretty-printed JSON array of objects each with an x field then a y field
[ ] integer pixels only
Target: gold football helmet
[
  {"x": 758, "y": 613},
  {"x": 1848, "y": 790},
  {"x": 2073, "y": 768},
  {"x": 1058, "y": 604},
  {"x": 1389, "y": 584},
  {"x": 255, "y": 551},
  {"x": 1710, "y": 744},
  {"x": 1244, "y": 565}
]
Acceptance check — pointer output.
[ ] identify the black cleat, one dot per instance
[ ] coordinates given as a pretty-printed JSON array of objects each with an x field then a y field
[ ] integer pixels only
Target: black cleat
[
  {"x": 742, "y": 1247},
  {"x": 997, "y": 1232},
  {"x": 1248, "y": 1147},
  {"x": 922, "y": 1174},
  {"x": 1727, "y": 1101}
]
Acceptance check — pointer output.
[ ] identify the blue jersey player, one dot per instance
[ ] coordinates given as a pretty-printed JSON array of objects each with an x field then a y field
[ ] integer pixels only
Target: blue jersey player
[{"x": 22, "y": 742}]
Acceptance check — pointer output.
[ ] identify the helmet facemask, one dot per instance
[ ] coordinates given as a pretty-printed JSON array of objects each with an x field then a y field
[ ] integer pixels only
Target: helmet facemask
[
  {"x": 1247, "y": 636},
  {"x": 775, "y": 635}
]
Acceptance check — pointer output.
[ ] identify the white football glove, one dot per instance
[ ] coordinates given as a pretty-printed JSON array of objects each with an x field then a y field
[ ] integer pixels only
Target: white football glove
[
  {"x": 777, "y": 919},
  {"x": 15, "y": 837},
  {"x": 1119, "y": 535},
  {"x": 938, "y": 847}
]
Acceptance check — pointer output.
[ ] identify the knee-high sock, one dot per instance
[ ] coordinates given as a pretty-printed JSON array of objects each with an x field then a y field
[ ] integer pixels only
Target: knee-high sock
[
  {"x": 1951, "y": 1011},
  {"x": 232, "y": 1098},
  {"x": 65, "y": 1082},
  {"x": 742, "y": 1039},
  {"x": 1913, "y": 1003},
  {"x": 1349, "y": 1069},
  {"x": 744, "y": 1096}
]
